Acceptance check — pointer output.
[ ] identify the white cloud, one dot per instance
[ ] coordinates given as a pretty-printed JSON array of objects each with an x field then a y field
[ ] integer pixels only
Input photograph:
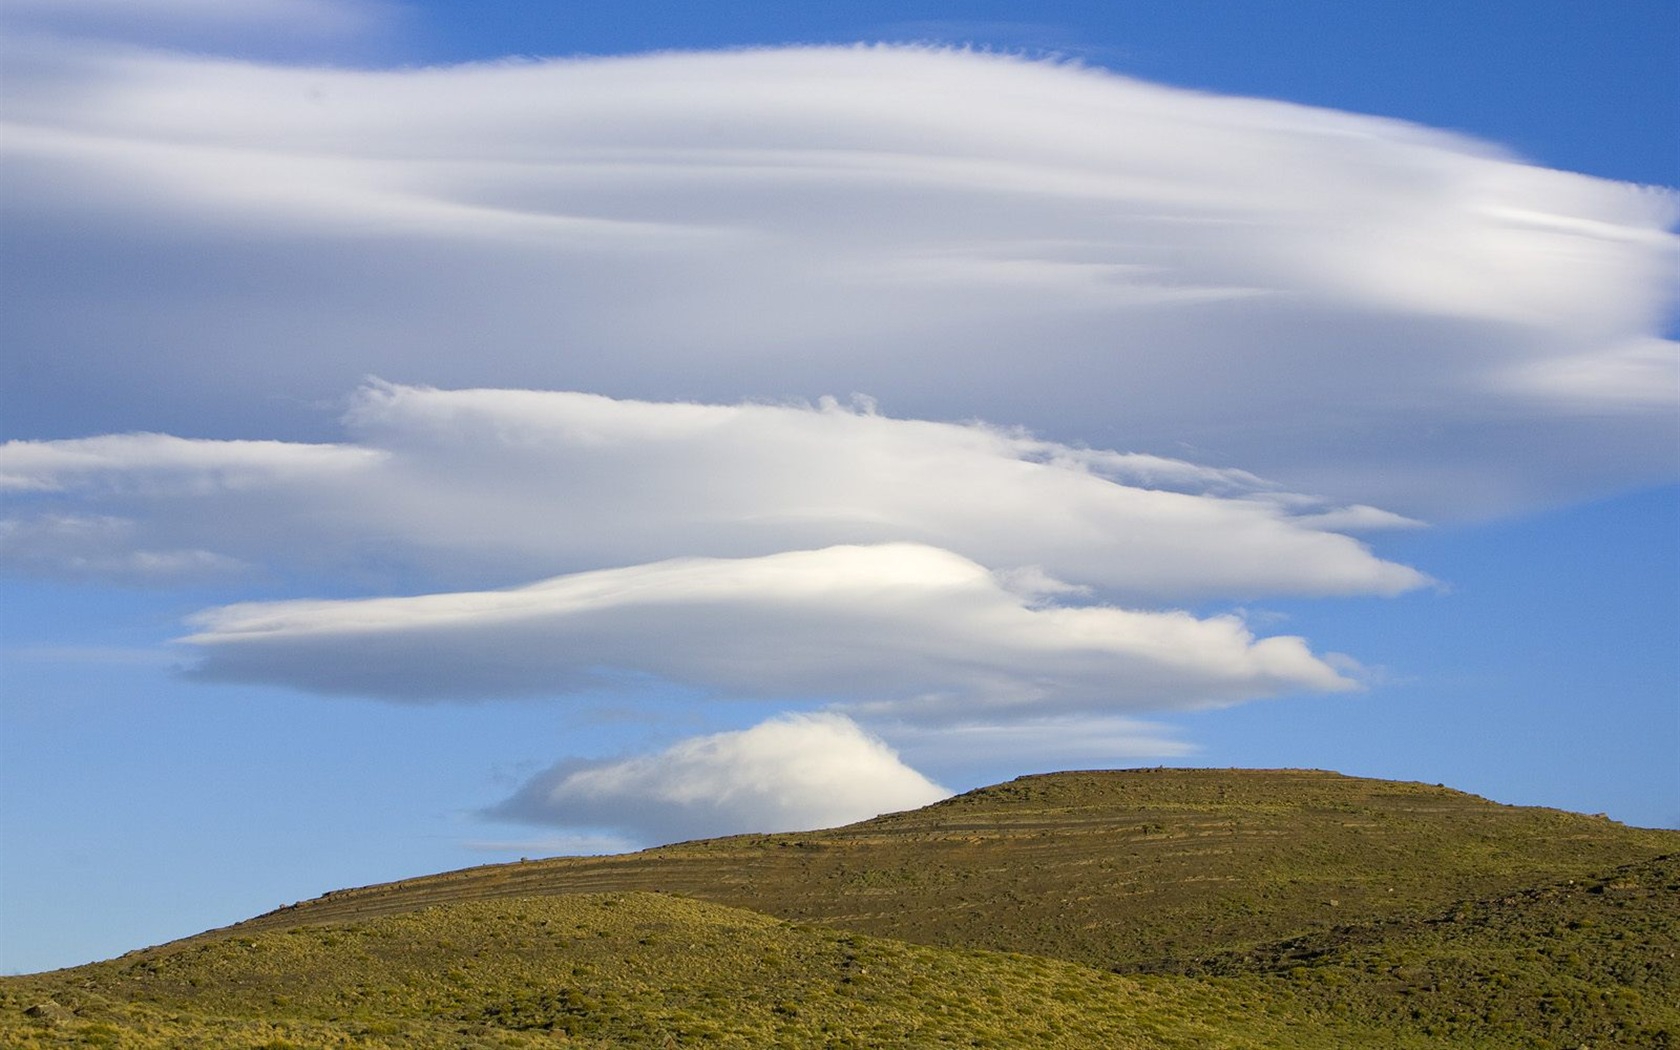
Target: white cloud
[
  {"x": 792, "y": 773},
  {"x": 900, "y": 629},
  {"x": 508, "y": 484},
  {"x": 163, "y": 465},
  {"x": 1641, "y": 372},
  {"x": 1354, "y": 306}
]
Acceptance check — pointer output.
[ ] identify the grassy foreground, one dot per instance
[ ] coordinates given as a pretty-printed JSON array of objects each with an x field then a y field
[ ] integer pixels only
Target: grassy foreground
[
  {"x": 626, "y": 969},
  {"x": 1179, "y": 908}
]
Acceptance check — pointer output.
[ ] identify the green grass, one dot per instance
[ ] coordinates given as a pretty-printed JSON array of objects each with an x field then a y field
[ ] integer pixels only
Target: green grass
[
  {"x": 626, "y": 969},
  {"x": 1145, "y": 908},
  {"x": 1587, "y": 962}
]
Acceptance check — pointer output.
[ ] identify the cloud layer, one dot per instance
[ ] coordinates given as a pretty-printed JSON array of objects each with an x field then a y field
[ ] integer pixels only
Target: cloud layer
[
  {"x": 792, "y": 773},
  {"x": 507, "y": 485},
  {"x": 1355, "y": 306}
]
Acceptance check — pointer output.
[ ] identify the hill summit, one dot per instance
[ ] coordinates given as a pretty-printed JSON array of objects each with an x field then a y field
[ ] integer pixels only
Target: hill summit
[{"x": 1131, "y": 869}]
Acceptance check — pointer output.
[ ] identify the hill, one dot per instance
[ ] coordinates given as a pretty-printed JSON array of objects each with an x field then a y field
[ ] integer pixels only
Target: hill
[
  {"x": 1147, "y": 908},
  {"x": 1131, "y": 870},
  {"x": 622, "y": 970}
]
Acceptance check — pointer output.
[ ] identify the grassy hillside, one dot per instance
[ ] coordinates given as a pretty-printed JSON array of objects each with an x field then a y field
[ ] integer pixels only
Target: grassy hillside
[
  {"x": 625, "y": 970},
  {"x": 1585, "y": 962},
  {"x": 1133, "y": 870},
  {"x": 1144, "y": 908}
]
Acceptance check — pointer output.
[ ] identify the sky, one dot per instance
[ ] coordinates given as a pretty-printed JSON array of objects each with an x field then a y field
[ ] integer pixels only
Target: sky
[{"x": 440, "y": 433}]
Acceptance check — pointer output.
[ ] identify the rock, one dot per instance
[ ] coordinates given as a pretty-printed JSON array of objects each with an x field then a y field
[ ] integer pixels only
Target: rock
[{"x": 48, "y": 1010}]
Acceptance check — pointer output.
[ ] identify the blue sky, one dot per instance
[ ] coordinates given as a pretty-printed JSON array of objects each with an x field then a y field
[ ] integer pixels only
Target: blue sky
[{"x": 1226, "y": 426}]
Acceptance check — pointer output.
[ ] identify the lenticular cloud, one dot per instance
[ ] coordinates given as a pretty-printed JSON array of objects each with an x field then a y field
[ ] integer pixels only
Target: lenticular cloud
[
  {"x": 1360, "y": 307},
  {"x": 471, "y": 487},
  {"x": 897, "y": 629}
]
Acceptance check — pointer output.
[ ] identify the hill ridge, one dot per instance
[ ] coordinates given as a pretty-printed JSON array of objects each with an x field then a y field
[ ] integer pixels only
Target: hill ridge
[{"x": 1090, "y": 850}]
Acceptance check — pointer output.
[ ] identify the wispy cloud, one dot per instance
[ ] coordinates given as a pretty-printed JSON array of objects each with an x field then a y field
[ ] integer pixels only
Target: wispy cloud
[{"x": 159, "y": 464}]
